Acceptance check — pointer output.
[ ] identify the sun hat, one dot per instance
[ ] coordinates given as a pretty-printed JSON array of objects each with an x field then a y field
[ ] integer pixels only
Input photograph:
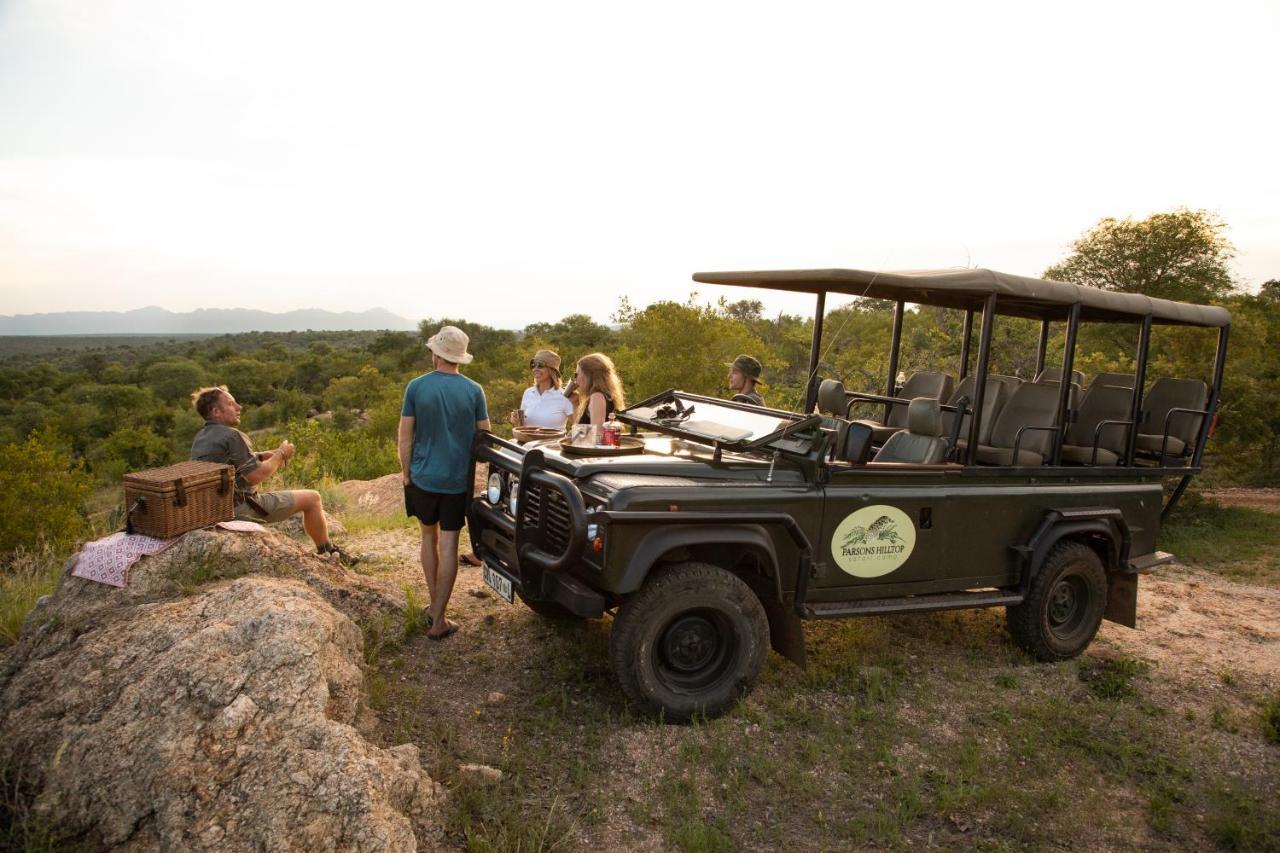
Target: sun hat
[
  {"x": 450, "y": 343},
  {"x": 746, "y": 365},
  {"x": 547, "y": 357}
]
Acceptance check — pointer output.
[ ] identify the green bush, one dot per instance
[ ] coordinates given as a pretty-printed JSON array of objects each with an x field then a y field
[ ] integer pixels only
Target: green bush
[{"x": 42, "y": 494}]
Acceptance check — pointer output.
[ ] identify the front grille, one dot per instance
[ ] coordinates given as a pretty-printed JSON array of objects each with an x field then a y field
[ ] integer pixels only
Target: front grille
[{"x": 546, "y": 511}]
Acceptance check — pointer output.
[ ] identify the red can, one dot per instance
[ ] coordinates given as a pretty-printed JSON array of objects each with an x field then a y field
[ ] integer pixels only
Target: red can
[{"x": 611, "y": 435}]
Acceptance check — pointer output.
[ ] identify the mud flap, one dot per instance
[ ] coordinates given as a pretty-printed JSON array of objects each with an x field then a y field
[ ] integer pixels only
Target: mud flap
[
  {"x": 1122, "y": 599},
  {"x": 786, "y": 632}
]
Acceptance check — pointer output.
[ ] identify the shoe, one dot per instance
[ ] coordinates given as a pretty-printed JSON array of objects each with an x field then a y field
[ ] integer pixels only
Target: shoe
[
  {"x": 344, "y": 559},
  {"x": 470, "y": 560},
  {"x": 448, "y": 632}
]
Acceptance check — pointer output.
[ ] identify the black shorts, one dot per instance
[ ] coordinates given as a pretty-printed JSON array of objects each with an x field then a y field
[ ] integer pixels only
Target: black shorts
[{"x": 432, "y": 507}]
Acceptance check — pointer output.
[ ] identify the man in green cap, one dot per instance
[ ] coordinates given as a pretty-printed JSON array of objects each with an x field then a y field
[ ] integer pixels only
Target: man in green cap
[{"x": 744, "y": 376}]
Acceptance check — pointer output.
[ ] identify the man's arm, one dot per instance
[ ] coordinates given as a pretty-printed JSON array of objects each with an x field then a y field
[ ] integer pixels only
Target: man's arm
[
  {"x": 404, "y": 444},
  {"x": 483, "y": 425},
  {"x": 265, "y": 468}
]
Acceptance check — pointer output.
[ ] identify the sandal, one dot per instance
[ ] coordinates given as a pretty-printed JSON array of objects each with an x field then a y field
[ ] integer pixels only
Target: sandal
[{"x": 448, "y": 632}]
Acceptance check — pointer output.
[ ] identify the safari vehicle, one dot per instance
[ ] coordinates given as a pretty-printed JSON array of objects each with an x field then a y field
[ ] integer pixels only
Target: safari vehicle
[{"x": 720, "y": 528}]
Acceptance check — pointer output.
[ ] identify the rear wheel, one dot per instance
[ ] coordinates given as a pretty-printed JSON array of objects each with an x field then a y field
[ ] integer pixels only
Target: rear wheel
[
  {"x": 1064, "y": 605},
  {"x": 692, "y": 641}
]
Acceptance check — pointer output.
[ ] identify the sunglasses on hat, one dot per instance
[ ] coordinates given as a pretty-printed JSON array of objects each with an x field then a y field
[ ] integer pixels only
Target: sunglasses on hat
[{"x": 534, "y": 364}]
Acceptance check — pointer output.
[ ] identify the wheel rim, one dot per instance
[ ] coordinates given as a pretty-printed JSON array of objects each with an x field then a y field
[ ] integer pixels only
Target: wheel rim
[
  {"x": 1068, "y": 603},
  {"x": 695, "y": 650}
]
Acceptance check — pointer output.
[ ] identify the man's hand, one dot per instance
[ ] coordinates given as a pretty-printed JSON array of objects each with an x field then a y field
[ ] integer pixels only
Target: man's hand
[
  {"x": 285, "y": 450},
  {"x": 404, "y": 478}
]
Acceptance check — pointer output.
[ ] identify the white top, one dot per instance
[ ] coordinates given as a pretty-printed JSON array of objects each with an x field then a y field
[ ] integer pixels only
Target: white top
[{"x": 548, "y": 409}]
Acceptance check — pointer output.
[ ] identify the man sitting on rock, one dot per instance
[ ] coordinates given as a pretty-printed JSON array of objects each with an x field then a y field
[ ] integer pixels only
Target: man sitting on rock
[{"x": 220, "y": 441}]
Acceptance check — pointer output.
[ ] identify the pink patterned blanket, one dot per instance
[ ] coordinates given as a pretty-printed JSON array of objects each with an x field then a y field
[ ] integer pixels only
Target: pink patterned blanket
[{"x": 108, "y": 560}]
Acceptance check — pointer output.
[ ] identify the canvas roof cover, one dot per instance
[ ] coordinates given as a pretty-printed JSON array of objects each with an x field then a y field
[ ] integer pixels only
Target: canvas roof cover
[{"x": 1016, "y": 295}]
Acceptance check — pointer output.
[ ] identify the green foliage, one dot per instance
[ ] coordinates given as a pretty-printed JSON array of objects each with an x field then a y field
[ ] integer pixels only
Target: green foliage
[
  {"x": 1271, "y": 718},
  {"x": 1181, "y": 255},
  {"x": 173, "y": 379},
  {"x": 685, "y": 346},
  {"x": 29, "y": 575},
  {"x": 42, "y": 494},
  {"x": 326, "y": 451}
]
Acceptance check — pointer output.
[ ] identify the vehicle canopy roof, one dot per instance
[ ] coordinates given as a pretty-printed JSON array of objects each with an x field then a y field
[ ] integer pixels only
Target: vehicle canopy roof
[{"x": 968, "y": 289}]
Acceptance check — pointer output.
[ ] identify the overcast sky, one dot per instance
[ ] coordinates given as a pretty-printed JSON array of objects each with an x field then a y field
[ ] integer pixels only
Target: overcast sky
[{"x": 517, "y": 162}]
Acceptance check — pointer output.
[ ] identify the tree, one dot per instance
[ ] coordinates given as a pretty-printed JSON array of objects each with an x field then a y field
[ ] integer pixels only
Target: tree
[
  {"x": 42, "y": 494},
  {"x": 1181, "y": 255}
]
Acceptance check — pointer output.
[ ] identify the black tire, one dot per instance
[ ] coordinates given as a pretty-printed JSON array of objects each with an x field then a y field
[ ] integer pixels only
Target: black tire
[
  {"x": 1064, "y": 605},
  {"x": 691, "y": 642},
  {"x": 549, "y": 609}
]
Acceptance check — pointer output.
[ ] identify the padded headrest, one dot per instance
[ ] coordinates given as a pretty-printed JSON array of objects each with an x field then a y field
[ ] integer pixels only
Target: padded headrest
[
  {"x": 831, "y": 399},
  {"x": 924, "y": 417}
]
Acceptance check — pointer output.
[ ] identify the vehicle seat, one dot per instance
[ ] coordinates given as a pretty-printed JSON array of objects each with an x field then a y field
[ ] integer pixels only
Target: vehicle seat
[
  {"x": 923, "y": 383},
  {"x": 1119, "y": 380},
  {"x": 1033, "y": 404},
  {"x": 832, "y": 399},
  {"x": 1166, "y": 396},
  {"x": 1054, "y": 374},
  {"x": 852, "y": 439},
  {"x": 998, "y": 392},
  {"x": 921, "y": 441},
  {"x": 1101, "y": 403}
]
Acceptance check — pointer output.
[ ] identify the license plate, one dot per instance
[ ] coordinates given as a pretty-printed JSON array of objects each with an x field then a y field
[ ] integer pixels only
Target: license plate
[{"x": 498, "y": 584}]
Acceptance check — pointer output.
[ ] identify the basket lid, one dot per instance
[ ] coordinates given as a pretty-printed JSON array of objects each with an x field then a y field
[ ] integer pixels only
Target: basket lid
[{"x": 180, "y": 471}]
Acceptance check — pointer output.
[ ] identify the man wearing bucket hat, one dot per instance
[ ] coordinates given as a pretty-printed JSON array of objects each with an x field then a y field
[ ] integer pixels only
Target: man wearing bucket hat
[
  {"x": 744, "y": 376},
  {"x": 441, "y": 413}
]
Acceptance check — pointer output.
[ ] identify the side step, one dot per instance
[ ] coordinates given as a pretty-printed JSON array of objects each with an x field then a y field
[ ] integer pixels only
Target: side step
[
  {"x": 910, "y": 604},
  {"x": 1148, "y": 562}
]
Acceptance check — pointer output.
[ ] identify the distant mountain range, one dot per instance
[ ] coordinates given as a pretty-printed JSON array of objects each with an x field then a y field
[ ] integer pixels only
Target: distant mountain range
[{"x": 158, "y": 321}]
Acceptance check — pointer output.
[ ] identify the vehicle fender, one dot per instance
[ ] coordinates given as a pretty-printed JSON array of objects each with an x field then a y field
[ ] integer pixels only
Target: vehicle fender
[
  {"x": 1099, "y": 527},
  {"x": 663, "y": 539},
  {"x": 1122, "y": 587}
]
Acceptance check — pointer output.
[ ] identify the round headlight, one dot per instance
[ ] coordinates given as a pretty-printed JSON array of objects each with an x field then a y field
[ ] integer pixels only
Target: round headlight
[
  {"x": 512, "y": 501},
  {"x": 494, "y": 489}
]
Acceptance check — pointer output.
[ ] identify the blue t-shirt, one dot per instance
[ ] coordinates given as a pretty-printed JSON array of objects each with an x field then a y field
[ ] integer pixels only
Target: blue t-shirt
[{"x": 446, "y": 407}]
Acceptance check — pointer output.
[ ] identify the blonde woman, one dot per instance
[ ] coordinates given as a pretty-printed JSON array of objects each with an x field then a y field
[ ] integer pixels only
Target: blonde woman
[{"x": 597, "y": 388}]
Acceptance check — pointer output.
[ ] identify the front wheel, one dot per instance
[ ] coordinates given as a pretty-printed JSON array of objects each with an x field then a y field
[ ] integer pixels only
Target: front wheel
[
  {"x": 1063, "y": 607},
  {"x": 692, "y": 641}
]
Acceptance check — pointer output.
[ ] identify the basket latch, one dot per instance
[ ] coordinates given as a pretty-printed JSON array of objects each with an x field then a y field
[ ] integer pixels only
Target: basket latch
[
  {"x": 140, "y": 506},
  {"x": 180, "y": 493},
  {"x": 225, "y": 484}
]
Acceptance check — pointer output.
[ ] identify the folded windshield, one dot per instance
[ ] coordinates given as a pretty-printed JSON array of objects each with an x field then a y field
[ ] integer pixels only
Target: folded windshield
[{"x": 707, "y": 419}]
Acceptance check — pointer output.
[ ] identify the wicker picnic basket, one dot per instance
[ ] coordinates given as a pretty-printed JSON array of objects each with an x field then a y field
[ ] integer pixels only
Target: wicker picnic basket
[{"x": 164, "y": 502}]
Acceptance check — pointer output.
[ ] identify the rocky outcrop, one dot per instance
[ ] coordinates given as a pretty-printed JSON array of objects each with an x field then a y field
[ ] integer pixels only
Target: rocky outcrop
[{"x": 213, "y": 704}]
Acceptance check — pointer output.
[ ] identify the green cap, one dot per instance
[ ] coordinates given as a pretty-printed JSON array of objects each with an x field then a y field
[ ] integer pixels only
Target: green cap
[{"x": 747, "y": 366}]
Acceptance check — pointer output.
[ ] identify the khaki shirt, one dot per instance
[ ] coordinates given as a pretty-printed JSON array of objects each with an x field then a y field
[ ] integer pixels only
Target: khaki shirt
[{"x": 220, "y": 443}]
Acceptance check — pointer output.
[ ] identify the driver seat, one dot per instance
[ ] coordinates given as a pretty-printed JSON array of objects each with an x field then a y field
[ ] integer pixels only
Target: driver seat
[{"x": 922, "y": 442}]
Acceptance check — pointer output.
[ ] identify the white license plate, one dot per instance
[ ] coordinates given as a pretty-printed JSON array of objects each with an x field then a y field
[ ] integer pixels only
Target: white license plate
[{"x": 498, "y": 584}]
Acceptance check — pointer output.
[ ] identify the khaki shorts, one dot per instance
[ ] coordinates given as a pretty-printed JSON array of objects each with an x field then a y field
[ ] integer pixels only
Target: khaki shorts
[{"x": 279, "y": 506}]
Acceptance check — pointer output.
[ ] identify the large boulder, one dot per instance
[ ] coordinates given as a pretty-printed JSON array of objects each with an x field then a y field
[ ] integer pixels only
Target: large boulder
[{"x": 213, "y": 703}]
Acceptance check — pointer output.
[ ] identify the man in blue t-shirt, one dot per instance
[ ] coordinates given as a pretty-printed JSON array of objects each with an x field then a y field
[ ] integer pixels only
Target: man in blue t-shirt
[{"x": 441, "y": 413}]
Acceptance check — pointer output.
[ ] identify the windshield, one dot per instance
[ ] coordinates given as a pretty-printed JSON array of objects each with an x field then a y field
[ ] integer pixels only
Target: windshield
[{"x": 706, "y": 418}]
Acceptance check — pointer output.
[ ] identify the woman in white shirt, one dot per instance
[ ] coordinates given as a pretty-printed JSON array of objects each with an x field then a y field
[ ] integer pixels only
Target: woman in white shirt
[{"x": 544, "y": 404}]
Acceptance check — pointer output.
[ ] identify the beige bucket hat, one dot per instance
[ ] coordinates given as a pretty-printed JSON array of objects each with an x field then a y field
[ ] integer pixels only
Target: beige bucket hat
[
  {"x": 547, "y": 357},
  {"x": 450, "y": 343}
]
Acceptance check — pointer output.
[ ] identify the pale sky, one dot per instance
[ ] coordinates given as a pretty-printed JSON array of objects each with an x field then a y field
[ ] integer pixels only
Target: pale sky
[{"x": 509, "y": 163}]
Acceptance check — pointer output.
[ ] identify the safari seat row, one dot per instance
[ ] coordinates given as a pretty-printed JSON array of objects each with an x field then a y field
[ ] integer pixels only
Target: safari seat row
[{"x": 1019, "y": 421}]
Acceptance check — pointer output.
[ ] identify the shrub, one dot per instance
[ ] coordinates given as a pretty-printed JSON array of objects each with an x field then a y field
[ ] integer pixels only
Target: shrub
[{"x": 42, "y": 494}]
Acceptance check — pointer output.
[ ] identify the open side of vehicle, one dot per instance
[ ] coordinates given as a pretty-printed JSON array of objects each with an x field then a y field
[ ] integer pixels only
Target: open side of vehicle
[{"x": 736, "y": 523}]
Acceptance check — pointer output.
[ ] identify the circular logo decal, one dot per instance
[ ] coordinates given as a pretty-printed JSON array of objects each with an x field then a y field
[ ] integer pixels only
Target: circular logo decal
[{"x": 873, "y": 541}]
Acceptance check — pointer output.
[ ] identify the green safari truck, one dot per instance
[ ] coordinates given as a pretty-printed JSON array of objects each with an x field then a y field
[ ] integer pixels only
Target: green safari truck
[{"x": 716, "y": 529}]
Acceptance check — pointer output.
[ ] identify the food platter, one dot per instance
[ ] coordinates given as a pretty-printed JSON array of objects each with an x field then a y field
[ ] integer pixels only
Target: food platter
[
  {"x": 524, "y": 435},
  {"x": 629, "y": 445}
]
